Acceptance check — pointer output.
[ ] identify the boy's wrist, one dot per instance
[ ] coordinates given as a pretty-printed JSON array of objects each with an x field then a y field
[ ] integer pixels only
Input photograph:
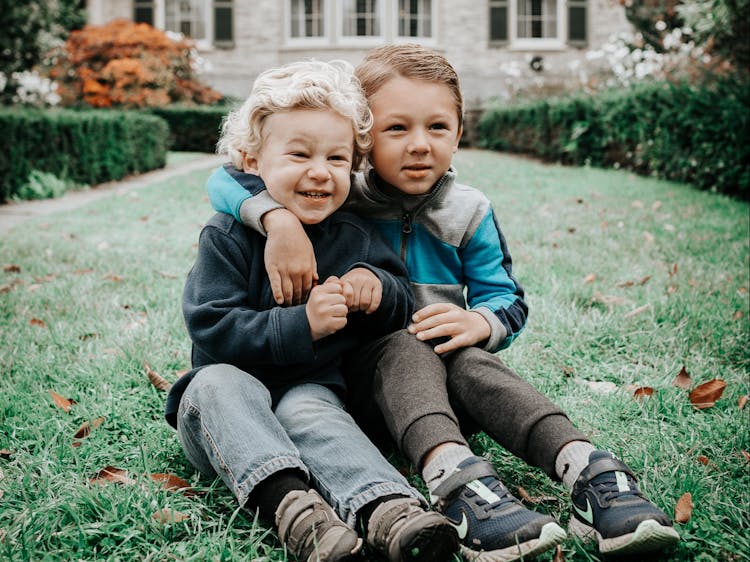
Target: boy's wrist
[{"x": 278, "y": 218}]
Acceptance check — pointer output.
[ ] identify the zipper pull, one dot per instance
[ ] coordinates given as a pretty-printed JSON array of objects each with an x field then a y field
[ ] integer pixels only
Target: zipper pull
[{"x": 406, "y": 226}]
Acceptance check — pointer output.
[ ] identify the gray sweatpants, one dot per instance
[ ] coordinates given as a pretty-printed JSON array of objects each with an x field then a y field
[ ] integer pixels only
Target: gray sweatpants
[{"x": 425, "y": 400}]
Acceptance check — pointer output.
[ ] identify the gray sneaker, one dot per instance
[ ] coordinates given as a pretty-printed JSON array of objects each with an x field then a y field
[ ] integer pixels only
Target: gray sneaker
[
  {"x": 403, "y": 531},
  {"x": 312, "y": 531}
]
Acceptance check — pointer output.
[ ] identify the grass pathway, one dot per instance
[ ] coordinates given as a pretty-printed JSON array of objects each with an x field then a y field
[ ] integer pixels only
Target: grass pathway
[{"x": 628, "y": 280}]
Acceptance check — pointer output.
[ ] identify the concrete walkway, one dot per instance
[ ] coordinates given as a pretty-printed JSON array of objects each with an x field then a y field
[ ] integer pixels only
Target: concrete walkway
[{"x": 14, "y": 214}]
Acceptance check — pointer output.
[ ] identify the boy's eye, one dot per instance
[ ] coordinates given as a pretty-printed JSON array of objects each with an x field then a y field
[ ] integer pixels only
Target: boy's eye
[
  {"x": 438, "y": 126},
  {"x": 396, "y": 128},
  {"x": 339, "y": 158},
  {"x": 298, "y": 154}
]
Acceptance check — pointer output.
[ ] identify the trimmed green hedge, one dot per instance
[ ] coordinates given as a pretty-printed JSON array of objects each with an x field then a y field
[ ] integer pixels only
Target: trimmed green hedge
[
  {"x": 193, "y": 128},
  {"x": 84, "y": 147},
  {"x": 698, "y": 135}
]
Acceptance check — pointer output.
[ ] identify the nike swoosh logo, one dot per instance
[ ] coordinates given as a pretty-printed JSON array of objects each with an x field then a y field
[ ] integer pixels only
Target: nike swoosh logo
[
  {"x": 462, "y": 528},
  {"x": 587, "y": 515}
]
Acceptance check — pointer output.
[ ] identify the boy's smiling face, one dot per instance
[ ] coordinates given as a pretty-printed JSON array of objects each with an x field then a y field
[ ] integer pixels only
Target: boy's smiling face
[
  {"x": 305, "y": 161},
  {"x": 415, "y": 133}
]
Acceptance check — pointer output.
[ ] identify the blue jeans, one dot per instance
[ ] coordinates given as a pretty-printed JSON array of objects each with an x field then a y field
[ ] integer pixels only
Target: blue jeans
[{"x": 226, "y": 426}]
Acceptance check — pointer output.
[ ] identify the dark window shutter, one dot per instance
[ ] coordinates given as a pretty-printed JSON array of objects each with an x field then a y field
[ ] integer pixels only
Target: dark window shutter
[
  {"x": 143, "y": 12},
  {"x": 498, "y": 21},
  {"x": 577, "y": 24},
  {"x": 223, "y": 23}
]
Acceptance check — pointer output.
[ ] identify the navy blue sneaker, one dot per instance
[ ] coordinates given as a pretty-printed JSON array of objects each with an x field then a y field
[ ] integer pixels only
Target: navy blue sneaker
[
  {"x": 609, "y": 507},
  {"x": 492, "y": 525}
]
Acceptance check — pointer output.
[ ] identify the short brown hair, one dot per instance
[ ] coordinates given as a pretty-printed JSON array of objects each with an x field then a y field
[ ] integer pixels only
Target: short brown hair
[{"x": 408, "y": 61}]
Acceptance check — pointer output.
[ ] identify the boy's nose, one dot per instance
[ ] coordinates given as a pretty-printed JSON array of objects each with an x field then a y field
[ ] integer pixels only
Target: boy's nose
[
  {"x": 418, "y": 143},
  {"x": 318, "y": 171}
]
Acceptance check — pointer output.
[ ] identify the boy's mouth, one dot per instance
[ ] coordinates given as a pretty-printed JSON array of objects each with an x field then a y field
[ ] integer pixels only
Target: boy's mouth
[
  {"x": 417, "y": 171},
  {"x": 314, "y": 194}
]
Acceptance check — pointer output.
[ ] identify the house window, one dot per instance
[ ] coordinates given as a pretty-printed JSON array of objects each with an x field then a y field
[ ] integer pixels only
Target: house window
[
  {"x": 533, "y": 24},
  {"x": 187, "y": 17},
  {"x": 415, "y": 18},
  {"x": 204, "y": 21},
  {"x": 361, "y": 18},
  {"x": 537, "y": 19},
  {"x": 307, "y": 18}
]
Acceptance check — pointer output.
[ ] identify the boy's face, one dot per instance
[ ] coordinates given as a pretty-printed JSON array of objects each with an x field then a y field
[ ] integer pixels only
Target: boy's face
[
  {"x": 415, "y": 133},
  {"x": 305, "y": 161}
]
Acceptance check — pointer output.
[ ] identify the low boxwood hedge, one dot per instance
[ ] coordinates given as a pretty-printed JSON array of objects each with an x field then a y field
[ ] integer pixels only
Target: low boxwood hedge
[
  {"x": 83, "y": 147},
  {"x": 682, "y": 132},
  {"x": 192, "y": 128}
]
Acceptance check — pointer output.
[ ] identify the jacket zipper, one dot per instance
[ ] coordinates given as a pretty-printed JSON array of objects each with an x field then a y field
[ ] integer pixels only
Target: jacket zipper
[{"x": 406, "y": 229}]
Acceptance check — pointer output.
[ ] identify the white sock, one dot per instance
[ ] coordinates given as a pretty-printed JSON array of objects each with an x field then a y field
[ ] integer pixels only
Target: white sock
[
  {"x": 571, "y": 460},
  {"x": 443, "y": 465}
]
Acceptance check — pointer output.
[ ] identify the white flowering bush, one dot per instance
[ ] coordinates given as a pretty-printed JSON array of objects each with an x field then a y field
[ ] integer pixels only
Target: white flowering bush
[{"x": 31, "y": 89}]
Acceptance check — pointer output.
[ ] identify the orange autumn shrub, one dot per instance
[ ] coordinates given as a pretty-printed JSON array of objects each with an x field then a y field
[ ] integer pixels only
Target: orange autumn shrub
[{"x": 126, "y": 65}]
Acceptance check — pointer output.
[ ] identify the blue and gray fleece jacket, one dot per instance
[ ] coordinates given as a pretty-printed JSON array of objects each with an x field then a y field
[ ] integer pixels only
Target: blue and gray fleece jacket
[{"x": 449, "y": 239}]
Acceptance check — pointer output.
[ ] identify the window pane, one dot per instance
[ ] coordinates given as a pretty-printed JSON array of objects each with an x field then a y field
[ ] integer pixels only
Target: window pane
[
  {"x": 361, "y": 18},
  {"x": 537, "y": 19},
  {"x": 186, "y": 16},
  {"x": 307, "y": 18},
  {"x": 415, "y": 18},
  {"x": 143, "y": 14}
]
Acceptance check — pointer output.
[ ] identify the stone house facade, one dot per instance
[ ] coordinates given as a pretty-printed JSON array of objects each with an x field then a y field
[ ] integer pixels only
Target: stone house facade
[{"x": 495, "y": 45}]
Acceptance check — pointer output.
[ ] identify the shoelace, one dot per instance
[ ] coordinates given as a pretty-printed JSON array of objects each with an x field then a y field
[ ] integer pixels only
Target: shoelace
[
  {"x": 496, "y": 488},
  {"x": 608, "y": 489}
]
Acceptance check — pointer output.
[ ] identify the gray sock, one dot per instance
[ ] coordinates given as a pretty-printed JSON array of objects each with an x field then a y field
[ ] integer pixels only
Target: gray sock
[
  {"x": 443, "y": 465},
  {"x": 571, "y": 460}
]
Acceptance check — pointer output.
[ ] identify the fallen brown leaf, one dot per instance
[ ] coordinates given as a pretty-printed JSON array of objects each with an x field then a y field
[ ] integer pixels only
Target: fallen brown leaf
[
  {"x": 37, "y": 322},
  {"x": 60, "y": 402},
  {"x": 523, "y": 494},
  {"x": 703, "y": 459},
  {"x": 166, "y": 516},
  {"x": 112, "y": 474},
  {"x": 746, "y": 455},
  {"x": 705, "y": 395},
  {"x": 590, "y": 278},
  {"x": 12, "y": 268},
  {"x": 559, "y": 557},
  {"x": 5, "y": 454},
  {"x": 85, "y": 430},
  {"x": 682, "y": 380},
  {"x": 608, "y": 300},
  {"x": 642, "y": 392},
  {"x": 644, "y": 280},
  {"x": 742, "y": 401},
  {"x": 159, "y": 382},
  {"x": 684, "y": 508},
  {"x": 172, "y": 482}
]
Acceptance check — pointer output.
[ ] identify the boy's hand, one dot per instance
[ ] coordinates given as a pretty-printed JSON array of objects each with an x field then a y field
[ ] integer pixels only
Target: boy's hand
[
  {"x": 326, "y": 308},
  {"x": 462, "y": 327},
  {"x": 362, "y": 289},
  {"x": 290, "y": 259}
]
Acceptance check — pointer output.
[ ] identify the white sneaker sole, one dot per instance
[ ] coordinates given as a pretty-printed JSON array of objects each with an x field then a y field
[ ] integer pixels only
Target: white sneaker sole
[
  {"x": 552, "y": 535},
  {"x": 649, "y": 536}
]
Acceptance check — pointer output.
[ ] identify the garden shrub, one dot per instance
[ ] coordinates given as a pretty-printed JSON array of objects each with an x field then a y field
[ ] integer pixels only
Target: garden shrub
[
  {"x": 123, "y": 64},
  {"x": 82, "y": 147},
  {"x": 689, "y": 133},
  {"x": 193, "y": 128}
]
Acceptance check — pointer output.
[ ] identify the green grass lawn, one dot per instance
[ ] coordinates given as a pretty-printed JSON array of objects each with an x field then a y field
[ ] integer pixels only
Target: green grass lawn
[{"x": 628, "y": 280}]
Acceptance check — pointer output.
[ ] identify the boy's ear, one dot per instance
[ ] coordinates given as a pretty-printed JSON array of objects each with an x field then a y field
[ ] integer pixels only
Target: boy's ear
[
  {"x": 249, "y": 163},
  {"x": 458, "y": 138}
]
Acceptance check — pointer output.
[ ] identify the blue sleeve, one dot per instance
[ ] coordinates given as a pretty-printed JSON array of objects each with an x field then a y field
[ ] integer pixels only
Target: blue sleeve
[
  {"x": 226, "y": 193},
  {"x": 490, "y": 282}
]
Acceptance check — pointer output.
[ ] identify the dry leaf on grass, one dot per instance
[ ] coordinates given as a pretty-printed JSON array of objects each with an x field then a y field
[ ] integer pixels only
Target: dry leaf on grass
[
  {"x": 5, "y": 454},
  {"x": 159, "y": 382},
  {"x": 642, "y": 392},
  {"x": 38, "y": 323},
  {"x": 173, "y": 483},
  {"x": 683, "y": 380},
  {"x": 62, "y": 403},
  {"x": 559, "y": 557},
  {"x": 742, "y": 401},
  {"x": 705, "y": 395},
  {"x": 684, "y": 508},
  {"x": 525, "y": 496},
  {"x": 703, "y": 459},
  {"x": 112, "y": 474},
  {"x": 166, "y": 516},
  {"x": 590, "y": 278},
  {"x": 85, "y": 430}
]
